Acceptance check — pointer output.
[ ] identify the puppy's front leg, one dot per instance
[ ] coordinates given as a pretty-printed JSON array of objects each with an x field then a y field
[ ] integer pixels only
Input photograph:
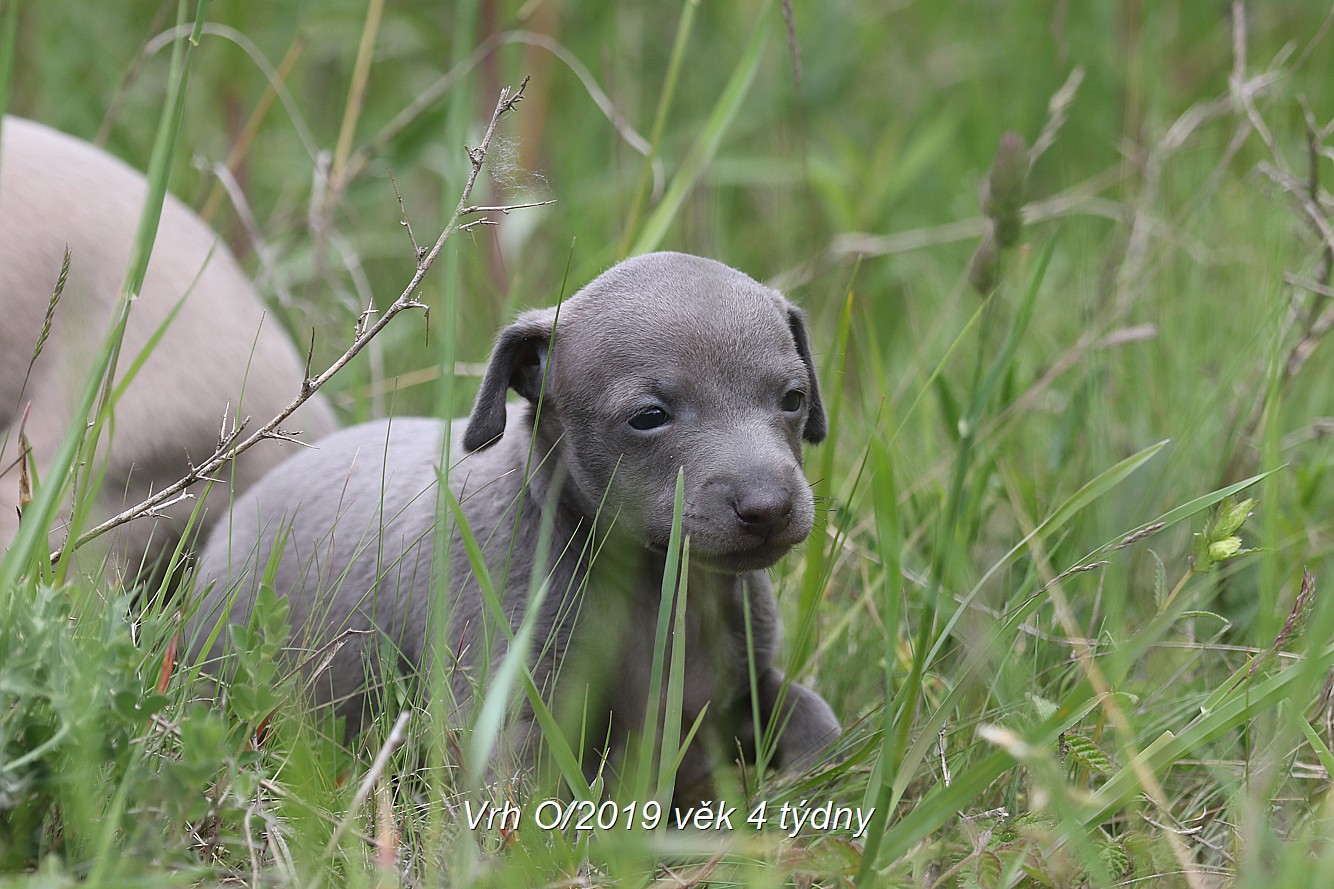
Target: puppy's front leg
[{"x": 806, "y": 723}]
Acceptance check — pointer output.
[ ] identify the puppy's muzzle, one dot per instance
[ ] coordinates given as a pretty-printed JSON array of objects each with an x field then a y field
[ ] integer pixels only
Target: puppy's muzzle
[{"x": 748, "y": 521}]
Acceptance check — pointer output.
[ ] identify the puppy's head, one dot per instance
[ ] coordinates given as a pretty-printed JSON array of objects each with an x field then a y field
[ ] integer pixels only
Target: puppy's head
[{"x": 664, "y": 363}]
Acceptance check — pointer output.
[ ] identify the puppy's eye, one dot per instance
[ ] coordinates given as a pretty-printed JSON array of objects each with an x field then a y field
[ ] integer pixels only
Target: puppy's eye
[
  {"x": 793, "y": 401},
  {"x": 649, "y": 418}
]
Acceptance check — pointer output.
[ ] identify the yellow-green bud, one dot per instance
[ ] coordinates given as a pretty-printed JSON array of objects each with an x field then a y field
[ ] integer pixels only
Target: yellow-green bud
[{"x": 1222, "y": 550}]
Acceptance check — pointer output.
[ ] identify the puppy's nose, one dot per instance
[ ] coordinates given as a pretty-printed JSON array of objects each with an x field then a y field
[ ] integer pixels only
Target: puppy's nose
[{"x": 766, "y": 512}]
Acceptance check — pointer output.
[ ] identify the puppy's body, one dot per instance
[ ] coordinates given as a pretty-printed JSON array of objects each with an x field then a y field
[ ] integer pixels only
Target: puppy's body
[
  {"x": 665, "y": 363},
  {"x": 219, "y": 352}
]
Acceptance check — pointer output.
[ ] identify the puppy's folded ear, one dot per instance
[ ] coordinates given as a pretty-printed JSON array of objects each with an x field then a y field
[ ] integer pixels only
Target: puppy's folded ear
[
  {"x": 816, "y": 424},
  {"x": 518, "y": 362}
]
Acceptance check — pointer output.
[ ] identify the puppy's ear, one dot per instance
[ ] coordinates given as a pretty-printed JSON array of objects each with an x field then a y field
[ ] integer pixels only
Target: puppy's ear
[
  {"x": 816, "y": 424},
  {"x": 518, "y": 362}
]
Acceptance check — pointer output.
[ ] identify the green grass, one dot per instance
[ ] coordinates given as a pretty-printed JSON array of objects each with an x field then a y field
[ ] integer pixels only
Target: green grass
[{"x": 1031, "y": 696}]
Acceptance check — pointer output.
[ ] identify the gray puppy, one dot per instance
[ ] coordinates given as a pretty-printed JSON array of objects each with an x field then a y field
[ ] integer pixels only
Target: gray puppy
[
  {"x": 664, "y": 363},
  {"x": 57, "y": 192}
]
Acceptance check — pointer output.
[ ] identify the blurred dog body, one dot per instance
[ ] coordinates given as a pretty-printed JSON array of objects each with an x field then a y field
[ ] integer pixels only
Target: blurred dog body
[{"x": 219, "y": 354}]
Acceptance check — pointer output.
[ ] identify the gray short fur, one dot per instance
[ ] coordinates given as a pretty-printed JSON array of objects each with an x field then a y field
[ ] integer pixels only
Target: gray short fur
[
  {"x": 724, "y": 357},
  {"x": 57, "y": 191}
]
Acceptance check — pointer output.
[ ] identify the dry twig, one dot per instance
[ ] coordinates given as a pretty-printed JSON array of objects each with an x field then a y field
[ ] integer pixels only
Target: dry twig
[
  {"x": 398, "y": 735},
  {"x": 230, "y": 443}
]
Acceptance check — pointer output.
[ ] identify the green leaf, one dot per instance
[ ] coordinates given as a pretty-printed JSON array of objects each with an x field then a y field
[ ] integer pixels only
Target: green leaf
[
  {"x": 1231, "y": 516},
  {"x": 1159, "y": 582},
  {"x": 988, "y": 870},
  {"x": 1322, "y": 751},
  {"x": 1089, "y": 754},
  {"x": 1115, "y": 857}
]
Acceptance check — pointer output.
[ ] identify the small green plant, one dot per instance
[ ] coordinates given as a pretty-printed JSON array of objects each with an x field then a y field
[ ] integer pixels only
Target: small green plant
[{"x": 1219, "y": 541}]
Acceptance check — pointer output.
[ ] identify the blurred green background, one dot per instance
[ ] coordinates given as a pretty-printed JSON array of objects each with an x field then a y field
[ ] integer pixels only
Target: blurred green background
[
  {"x": 888, "y": 129},
  {"x": 848, "y": 173}
]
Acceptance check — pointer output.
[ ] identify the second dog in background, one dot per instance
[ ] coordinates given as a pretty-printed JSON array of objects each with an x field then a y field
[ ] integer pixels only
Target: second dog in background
[
  {"x": 220, "y": 353},
  {"x": 666, "y": 363}
]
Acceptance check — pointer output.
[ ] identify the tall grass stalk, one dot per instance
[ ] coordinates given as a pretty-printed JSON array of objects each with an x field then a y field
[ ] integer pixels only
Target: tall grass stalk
[
  {"x": 706, "y": 144},
  {"x": 8, "y": 32},
  {"x": 668, "y": 91}
]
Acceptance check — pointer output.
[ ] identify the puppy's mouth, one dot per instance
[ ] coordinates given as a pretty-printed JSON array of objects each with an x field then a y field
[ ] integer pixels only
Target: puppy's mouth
[
  {"x": 738, "y": 561},
  {"x": 740, "y": 555}
]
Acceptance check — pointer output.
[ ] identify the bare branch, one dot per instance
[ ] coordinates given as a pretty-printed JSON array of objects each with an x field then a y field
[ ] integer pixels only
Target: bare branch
[
  {"x": 505, "y": 208},
  {"x": 366, "y": 330},
  {"x": 417, "y": 252}
]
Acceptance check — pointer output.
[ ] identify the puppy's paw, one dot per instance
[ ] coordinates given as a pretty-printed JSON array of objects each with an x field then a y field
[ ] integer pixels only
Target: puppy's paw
[
  {"x": 809, "y": 728},
  {"x": 806, "y": 723}
]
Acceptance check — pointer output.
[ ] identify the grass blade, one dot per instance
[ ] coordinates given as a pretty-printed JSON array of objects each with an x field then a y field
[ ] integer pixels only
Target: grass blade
[
  {"x": 683, "y": 30},
  {"x": 8, "y": 31},
  {"x": 710, "y": 137}
]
